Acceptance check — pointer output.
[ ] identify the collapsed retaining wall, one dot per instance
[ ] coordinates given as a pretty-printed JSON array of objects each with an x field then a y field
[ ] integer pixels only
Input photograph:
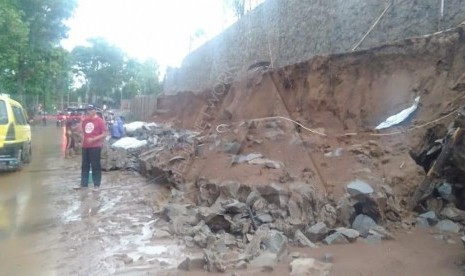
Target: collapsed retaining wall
[{"x": 288, "y": 32}]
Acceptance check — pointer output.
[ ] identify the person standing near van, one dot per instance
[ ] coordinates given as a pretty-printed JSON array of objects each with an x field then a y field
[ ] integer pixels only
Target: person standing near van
[{"x": 93, "y": 135}]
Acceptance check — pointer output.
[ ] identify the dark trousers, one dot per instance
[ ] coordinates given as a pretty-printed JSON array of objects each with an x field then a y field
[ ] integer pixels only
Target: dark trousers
[{"x": 91, "y": 159}]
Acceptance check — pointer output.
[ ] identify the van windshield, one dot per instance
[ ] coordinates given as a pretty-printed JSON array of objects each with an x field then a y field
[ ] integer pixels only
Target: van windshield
[{"x": 3, "y": 113}]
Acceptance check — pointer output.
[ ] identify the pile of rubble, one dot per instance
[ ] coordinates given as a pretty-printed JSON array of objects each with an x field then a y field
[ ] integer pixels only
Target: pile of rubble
[
  {"x": 143, "y": 148},
  {"x": 239, "y": 225}
]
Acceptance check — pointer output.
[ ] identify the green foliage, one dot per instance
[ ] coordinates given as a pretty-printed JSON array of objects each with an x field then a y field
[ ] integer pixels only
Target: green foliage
[
  {"x": 32, "y": 65},
  {"x": 109, "y": 74}
]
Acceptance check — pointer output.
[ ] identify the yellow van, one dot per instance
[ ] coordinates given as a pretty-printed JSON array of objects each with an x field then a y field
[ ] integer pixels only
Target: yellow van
[{"x": 15, "y": 135}]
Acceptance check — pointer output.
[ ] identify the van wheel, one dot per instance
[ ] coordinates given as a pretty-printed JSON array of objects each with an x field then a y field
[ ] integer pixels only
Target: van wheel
[{"x": 26, "y": 153}]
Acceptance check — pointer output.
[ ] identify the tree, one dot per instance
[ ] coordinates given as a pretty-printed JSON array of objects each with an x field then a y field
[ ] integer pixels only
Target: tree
[
  {"x": 30, "y": 32},
  {"x": 13, "y": 37},
  {"x": 101, "y": 67},
  {"x": 141, "y": 78}
]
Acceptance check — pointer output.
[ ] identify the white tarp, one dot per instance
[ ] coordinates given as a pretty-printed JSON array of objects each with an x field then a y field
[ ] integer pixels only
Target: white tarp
[
  {"x": 129, "y": 143},
  {"x": 133, "y": 126},
  {"x": 399, "y": 117}
]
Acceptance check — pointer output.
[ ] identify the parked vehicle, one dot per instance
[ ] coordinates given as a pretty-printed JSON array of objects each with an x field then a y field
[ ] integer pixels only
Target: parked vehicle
[{"x": 15, "y": 135}]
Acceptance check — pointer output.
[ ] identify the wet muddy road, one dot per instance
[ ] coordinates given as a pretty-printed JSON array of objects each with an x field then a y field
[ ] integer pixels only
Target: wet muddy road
[{"x": 47, "y": 228}]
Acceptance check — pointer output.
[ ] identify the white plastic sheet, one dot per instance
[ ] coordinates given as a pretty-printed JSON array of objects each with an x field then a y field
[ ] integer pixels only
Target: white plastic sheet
[
  {"x": 399, "y": 117},
  {"x": 131, "y": 127},
  {"x": 129, "y": 143}
]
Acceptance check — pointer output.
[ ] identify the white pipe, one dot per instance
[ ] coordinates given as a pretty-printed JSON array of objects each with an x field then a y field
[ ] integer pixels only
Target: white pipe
[{"x": 442, "y": 8}]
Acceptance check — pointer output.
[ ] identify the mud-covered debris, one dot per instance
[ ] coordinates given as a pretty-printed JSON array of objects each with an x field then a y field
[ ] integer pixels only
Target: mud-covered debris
[
  {"x": 265, "y": 259},
  {"x": 309, "y": 266},
  {"x": 192, "y": 264},
  {"x": 301, "y": 240}
]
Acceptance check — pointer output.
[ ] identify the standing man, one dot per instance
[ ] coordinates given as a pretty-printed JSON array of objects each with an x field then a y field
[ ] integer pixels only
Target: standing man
[{"x": 93, "y": 135}]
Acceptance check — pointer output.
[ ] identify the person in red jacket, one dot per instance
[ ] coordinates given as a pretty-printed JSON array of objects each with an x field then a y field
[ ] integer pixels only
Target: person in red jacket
[{"x": 93, "y": 134}]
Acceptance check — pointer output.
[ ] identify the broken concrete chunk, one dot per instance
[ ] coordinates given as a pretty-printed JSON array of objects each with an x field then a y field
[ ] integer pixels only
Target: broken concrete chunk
[{"x": 309, "y": 266}]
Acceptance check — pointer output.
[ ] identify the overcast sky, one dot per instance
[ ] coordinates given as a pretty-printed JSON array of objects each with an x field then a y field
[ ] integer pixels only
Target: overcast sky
[{"x": 158, "y": 29}]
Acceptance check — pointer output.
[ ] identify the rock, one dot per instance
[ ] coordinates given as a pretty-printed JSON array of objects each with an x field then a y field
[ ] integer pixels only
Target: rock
[
  {"x": 229, "y": 189},
  {"x": 213, "y": 262},
  {"x": 445, "y": 191},
  {"x": 363, "y": 224},
  {"x": 264, "y": 218},
  {"x": 344, "y": 211},
  {"x": 270, "y": 240},
  {"x": 266, "y": 259},
  {"x": 422, "y": 222},
  {"x": 276, "y": 242},
  {"x": 234, "y": 207},
  {"x": 192, "y": 264},
  {"x": 448, "y": 226},
  {"x": 434, "y": 204},
  {"x": 233, "y": 147},
  {"x": 302, "y": 240},
  {"x": 453, "y": 214},
  {"x": 241, "y": 265},
  {"x": 215, "y": 220},
  {"x": 253, "y": 156},
  {"x": 359, "y": 187},
  {"x": 373, "y": 239},
  {"x": 267, "y": 163},
  {"x": 329, "y": 215},
  {"x": 316, "y": 232},
  {"x": 310, "y": 267},
  {"x": 328, "y": 258},
  {"x": 335, "y": 238},
  {"x": 463, "y": 240},
  {"x": 350, "y": 234},
  {"x": 161, "y": 234},
  {"x": 275, "y": 194},
  {"x": 380, "y": 231},
  {"x": 430, "y": 217}
]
